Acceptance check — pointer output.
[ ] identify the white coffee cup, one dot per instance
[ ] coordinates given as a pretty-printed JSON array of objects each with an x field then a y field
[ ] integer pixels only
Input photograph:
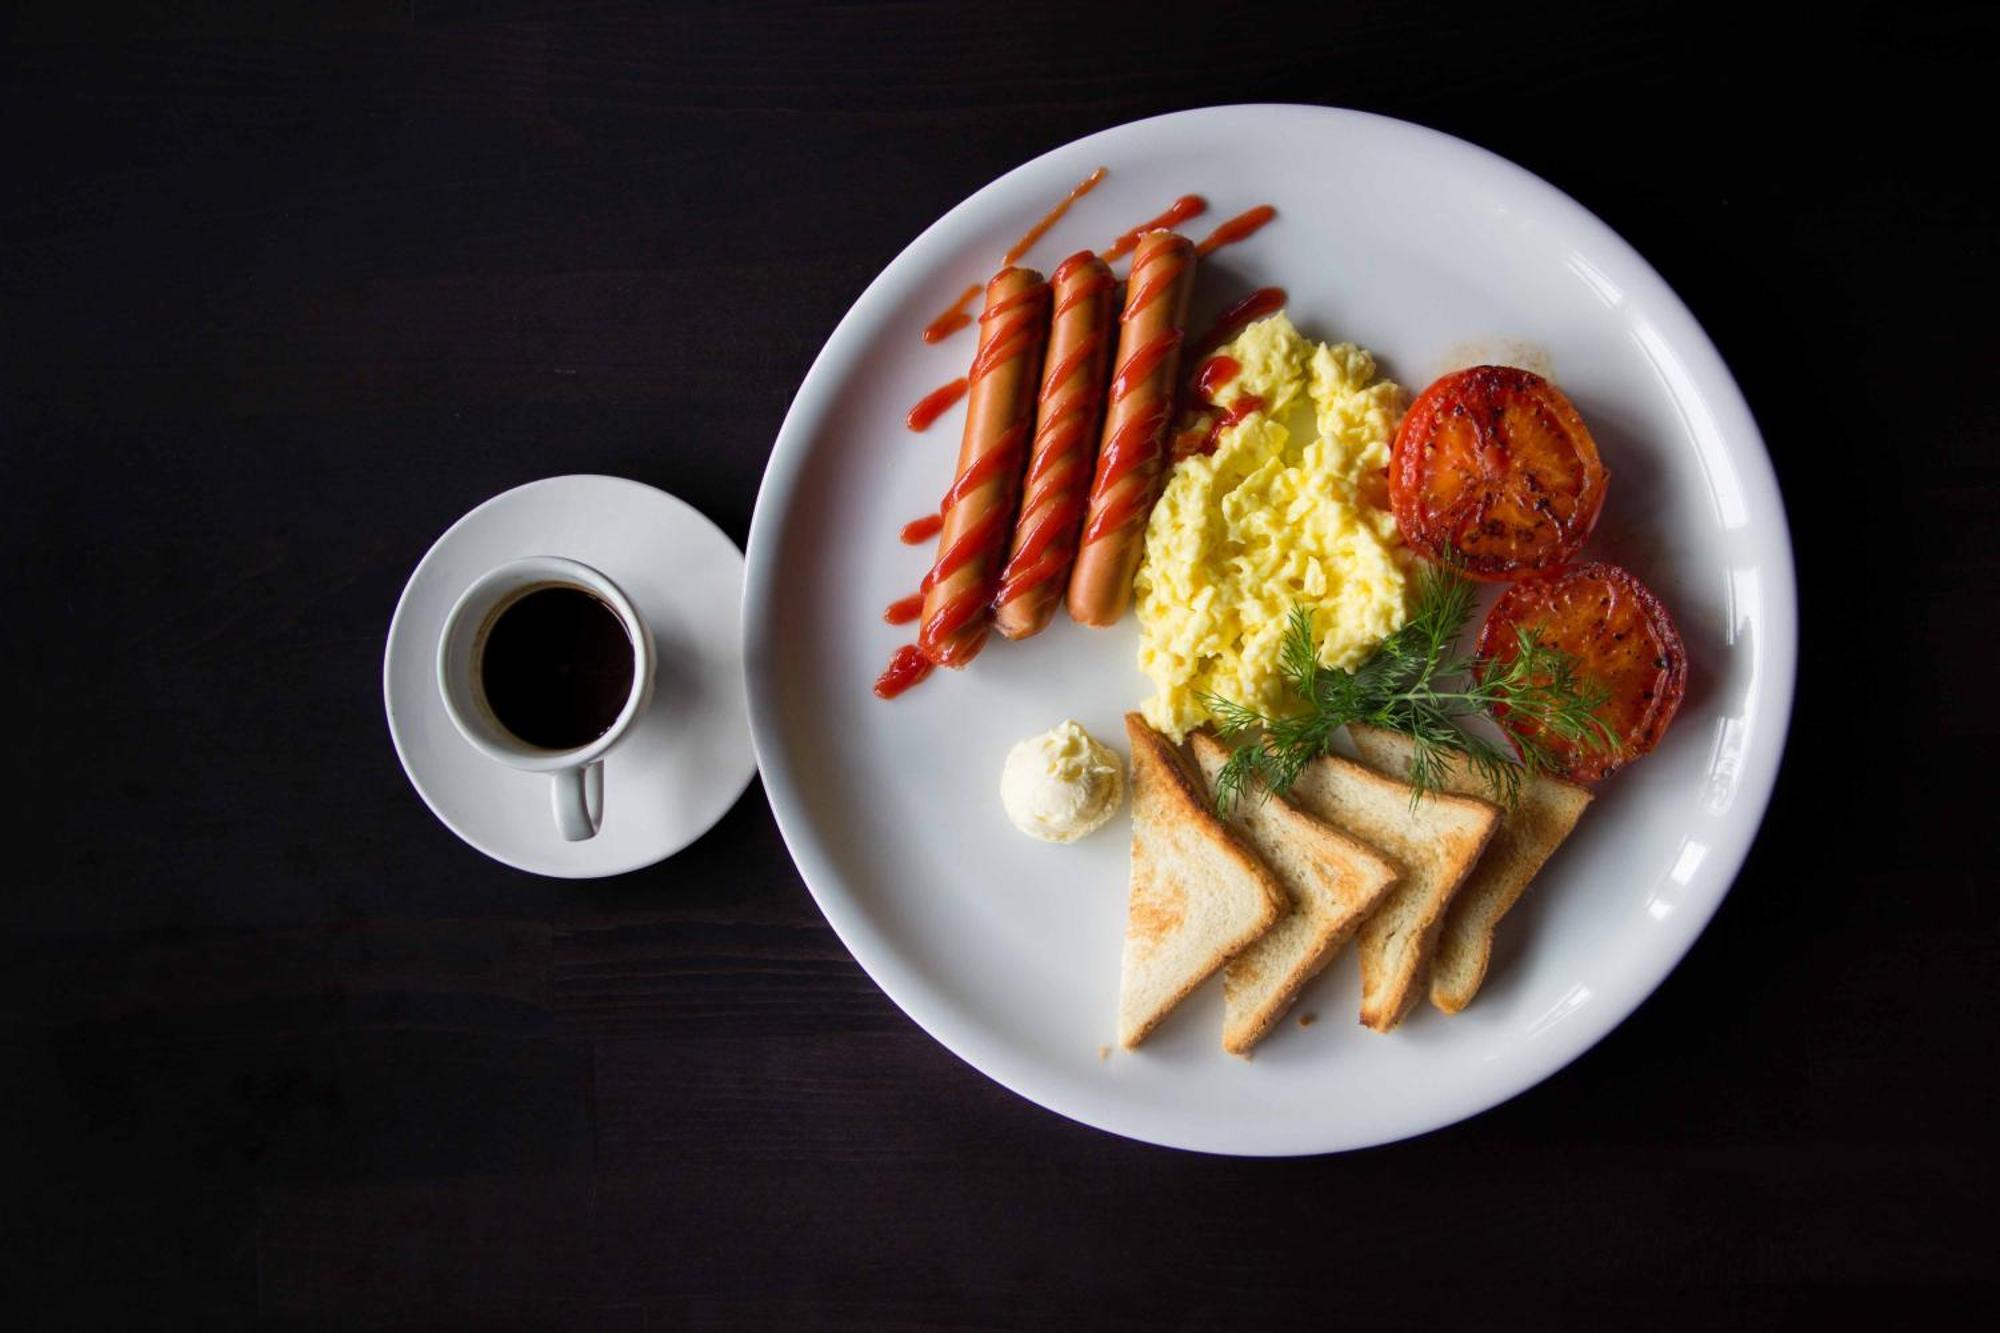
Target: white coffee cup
[{"x": 576, "y": 776}]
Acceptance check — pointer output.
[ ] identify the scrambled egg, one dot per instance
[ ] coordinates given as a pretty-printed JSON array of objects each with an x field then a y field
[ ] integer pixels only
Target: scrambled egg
[{"x": 1290, "y": 510}]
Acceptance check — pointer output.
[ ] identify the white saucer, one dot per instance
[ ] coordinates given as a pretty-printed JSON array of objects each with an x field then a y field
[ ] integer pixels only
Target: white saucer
[{"x": 689, "y": 758}]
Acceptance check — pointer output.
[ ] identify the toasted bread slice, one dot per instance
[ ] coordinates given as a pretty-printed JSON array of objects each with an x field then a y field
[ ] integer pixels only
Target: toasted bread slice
[
  {"x": 1543, "y": 815},
  {"x": 1198, "y": 894},
  {"x": 1434, "y": 843},
  {"x": 1333, "y": 882}
]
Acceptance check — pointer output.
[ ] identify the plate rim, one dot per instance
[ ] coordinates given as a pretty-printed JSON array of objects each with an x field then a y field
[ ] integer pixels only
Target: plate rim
[{"x": 1777, "y": 639}]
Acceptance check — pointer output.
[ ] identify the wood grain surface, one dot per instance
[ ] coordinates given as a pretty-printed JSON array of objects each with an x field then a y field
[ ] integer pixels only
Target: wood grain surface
[{"x": 284, "y": 290}]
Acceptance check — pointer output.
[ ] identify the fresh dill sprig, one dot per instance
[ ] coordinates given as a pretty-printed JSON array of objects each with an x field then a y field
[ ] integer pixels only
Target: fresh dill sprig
[{"x": 1418, "y": 682}]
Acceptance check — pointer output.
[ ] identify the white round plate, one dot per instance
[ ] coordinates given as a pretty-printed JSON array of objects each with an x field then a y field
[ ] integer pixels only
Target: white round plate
[
  {"x": 1434, "y": 254},
  {"x": 688, "y": 759}
]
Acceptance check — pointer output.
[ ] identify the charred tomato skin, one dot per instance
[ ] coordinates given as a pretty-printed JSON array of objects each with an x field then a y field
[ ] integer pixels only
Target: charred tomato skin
[
  {"x": 1495, "y": 464},
  {"x": 1619, "y": 634}
]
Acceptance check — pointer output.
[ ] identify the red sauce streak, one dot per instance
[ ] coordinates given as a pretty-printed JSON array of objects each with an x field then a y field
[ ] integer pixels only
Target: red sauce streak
[
  {"x": 1014, "y": 337},
  {"x": 1157, "y": 284},
  {"x": 1070, "y": 421},
  {"x": 1183, "y": 208},
  {"x": 954, "y": 615},
  {"x": 1060, "y": 375},
  {"x": 904, "y": 609},
  {"x": 1002, "y": 456},
  {"x": 920, "y": 530},
  {"x": 1244, "y": 406},
  {"x": 1041, "y": 537},
  {"x": 1214, "y": 373},
  {"x": 1264, "y": 301},
  {"x": 1143, "y": 363},
  {"x": 938, "y": 633},
  {"x": 905, "y": 669},
  {"x": 1238, "y": 228},
  {"x": 960, "y": 551},
  {"x": 935, "y": 404},
  {"x": 1083, "y": 292},
  {"x": 1033, "y": 292},
  {"x": 1209, "y": 380},
  {"x": 954, "y": 318},
  {"x": 1044, "y": 553},
  {"x": 1127, "y": 453},
  {"x": 1070, "y": 265},
  {"x": 1054, "y": 215}
]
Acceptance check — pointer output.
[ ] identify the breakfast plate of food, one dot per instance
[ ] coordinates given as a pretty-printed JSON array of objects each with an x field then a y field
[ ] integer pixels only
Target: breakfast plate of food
[{"x": 1269, "y": 630}]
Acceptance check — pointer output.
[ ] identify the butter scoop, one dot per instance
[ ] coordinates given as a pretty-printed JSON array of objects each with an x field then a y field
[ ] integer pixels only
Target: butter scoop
[{"x": 1062, "y": 784}]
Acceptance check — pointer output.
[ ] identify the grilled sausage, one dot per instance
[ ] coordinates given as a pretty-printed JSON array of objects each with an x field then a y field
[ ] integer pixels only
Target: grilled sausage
[
  {"x": 1068, "y": 409},
  {"x": 979, "y": 509},
  {"x": 1141, "y": 402}
]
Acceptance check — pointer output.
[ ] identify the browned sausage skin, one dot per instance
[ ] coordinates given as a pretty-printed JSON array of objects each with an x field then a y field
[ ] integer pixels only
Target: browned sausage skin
[
  {"x": 1000, "y": 407},
  {"x": 1141, "y": 403},
  {"x": 1067, "y": 411}
]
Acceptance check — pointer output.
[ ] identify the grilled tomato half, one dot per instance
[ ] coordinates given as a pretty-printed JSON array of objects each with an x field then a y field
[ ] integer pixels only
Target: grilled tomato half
[
  {"x": 1495, "y": 464},
  {"x": 1620, "y": 637}
]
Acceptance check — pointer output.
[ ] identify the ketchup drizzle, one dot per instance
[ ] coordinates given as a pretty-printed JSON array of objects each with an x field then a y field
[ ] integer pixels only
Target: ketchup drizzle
[
  {"x": 1082, "y": 293},
  {"x": 955, "y": 317},
  {"x": 1238, "y": 228},
  {"x": 1157, "y": 284},
  {"x": 1142, "y": 363},
  {"x": 1264, "y": 301},
  {"x": 1212, "y": 373},
  {"x": 905, "y": 669},
  {"x": 1209, "y": 380},
  {"x": 920, "y": 530},
  {"x": 904, "y": 609},
  {"x": 1068, "y": 366},
  {"x": 935, "y": 404},
  {"x": 1183, "y": 208},
  {"x": 1054, "y": 215},
  {"x": 1242, "y": 408}
]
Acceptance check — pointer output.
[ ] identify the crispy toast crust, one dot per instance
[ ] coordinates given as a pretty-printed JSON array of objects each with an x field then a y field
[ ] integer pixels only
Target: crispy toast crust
[
  {"x": 1331, "y": 910},
  {"x": 1397, "y": 941},
  {"x": 1165, "y": 792},
  {"x": 1527, "y": 836}
]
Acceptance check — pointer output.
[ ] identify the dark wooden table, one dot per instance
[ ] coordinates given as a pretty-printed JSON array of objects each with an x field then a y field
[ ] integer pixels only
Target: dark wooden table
[{"x": 284, "y": 295}]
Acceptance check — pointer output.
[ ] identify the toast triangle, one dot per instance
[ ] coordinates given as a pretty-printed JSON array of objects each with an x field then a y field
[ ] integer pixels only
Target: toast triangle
[
  {"x": 1333, "y": 883},
  {"x": 1433, "y": 842},
  {"x": 1197, "y": 896},
  {"x": 1544, "y": 814}
]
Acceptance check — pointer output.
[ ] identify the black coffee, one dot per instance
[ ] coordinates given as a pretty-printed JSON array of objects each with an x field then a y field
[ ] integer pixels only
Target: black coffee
[{"x": 557, "y": 668}]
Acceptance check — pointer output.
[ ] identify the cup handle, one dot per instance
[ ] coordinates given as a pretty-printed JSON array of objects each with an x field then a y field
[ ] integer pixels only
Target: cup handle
[{"x": 577, "y": 795}]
